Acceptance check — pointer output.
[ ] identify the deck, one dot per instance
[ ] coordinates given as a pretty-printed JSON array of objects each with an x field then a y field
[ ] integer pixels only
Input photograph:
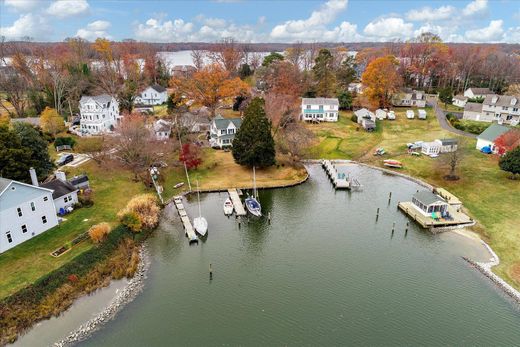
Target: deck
[
  {"x": 188, "y": 228},
  {"x": 459, "y": 218},
  {"x": 237, "y": 203},
  {"x": 337, "y": 173}
]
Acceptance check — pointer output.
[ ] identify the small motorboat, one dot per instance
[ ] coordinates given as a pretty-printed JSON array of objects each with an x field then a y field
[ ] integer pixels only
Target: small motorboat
[
  {"x": 228, "y": 207},
  {"x": 253, "y": 206},
  {"x": 178, "y": 185},
  {"x": 393, "y": 163},
  {"x": 380, "y": 151}
]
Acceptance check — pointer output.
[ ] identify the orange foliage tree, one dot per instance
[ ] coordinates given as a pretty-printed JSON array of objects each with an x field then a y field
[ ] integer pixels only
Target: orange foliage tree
[
  {"x": 508, "y": 141},
  {"x": 99, "y": 232},
  {"x": 144, "y": 209},
  {"x": 381, "y": 80},
  {"x": 209, "y": 86}
]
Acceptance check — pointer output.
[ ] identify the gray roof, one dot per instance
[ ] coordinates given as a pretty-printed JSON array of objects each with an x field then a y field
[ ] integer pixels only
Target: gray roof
[
  {"x": 101, "y": 99},
  {"x": 158, "y": 88},
  {"x": 222, "y": 123},
  {"x": 30, "y": 120},
  {"x": 4, "y": 182},
  {"x": 427, "y": 197},
  {"x": 473, "y": 107},
  {"x": 78, "y": 179},
  {"x": 481, "y": 91},
  {"x": 320, "y": 101},
  {"x": 363, "y": 113},
  {"x": 503, "y": 100},
  {"x": 493, "y": 131},
  {"x": 460, "y": 97},
  {"x": 59, "y": 188},
  {"x": 448, "y": 142}
]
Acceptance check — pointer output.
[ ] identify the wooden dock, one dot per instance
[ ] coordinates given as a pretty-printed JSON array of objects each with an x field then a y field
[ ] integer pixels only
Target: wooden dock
[
  {"x": 188, "y": 228},
  {"x": 237, "y": 203},
  {"x": 337, "y": 174},
  {"x": 426, "y": 222}
]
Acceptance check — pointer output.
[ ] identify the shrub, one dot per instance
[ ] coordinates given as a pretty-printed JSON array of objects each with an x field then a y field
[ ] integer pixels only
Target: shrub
[
  {"x": 85, "y": 198},
  {"x": 131, "y": 221},
  {"x": 60, "y": 141},
  {"x": 142, "y": 212},
  {"x": 99, "y": 232},
  {"x": 354, "y": 118}
]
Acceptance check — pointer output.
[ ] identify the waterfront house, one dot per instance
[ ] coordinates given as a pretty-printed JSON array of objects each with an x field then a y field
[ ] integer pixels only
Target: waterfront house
[
  {"x": 98, "y": 114},
  {"x": 64, "y": 194},
  {"x": 320, "y": 109},
  {"x": 222, "y": 131},
  {"x": 152, "y": 95},
  {"x": 25, "y": 211},
  {"x": 381, "y": 114},
  {"x": 427, "y": 203},
  {"x": 409, "y": 97},
  {"x": 487, "y": 137},
  {"x": 366, "y": 118}
]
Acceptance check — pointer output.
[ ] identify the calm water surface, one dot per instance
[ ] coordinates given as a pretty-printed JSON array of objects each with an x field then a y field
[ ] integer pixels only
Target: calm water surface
[{"x": 324, "y": 272}]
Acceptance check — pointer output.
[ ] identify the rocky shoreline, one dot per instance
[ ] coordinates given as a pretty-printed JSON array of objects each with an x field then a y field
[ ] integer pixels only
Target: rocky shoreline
[{"x": 123, "y": 297}]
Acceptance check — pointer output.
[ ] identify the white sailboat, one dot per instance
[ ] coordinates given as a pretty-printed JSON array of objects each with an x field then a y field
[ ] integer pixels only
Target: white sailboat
[
  {"x": 252, "y": 203},
  {"x": 228, "y": 207},
  {"x": 200, "y": 223}
]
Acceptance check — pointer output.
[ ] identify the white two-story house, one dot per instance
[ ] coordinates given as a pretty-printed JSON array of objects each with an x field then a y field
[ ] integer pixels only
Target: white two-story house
[
  {"x": 222, "y": 131},
  {"x": 99, "y": 114},
  {"x": 25, "y": 211},
  {"x": 320, "y": 109},
  {"x": 153, "y": 95},
  {"x": 410, "y": 98},
  {"x": 503, "y": 109}
]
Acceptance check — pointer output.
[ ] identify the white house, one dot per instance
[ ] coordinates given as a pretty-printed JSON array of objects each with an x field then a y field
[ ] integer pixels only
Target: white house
[
  {"x": 222, "y": 131},
  {"x": 152, "y": 95},
  {"x": 431, "y": 148},
  {"x": 25, "y": 211},
  {"x": 320, "y": 109},
  {"x": 64, "y": 194},
  {"x": 473, "y": 93},
  {"x": 355, "y": 88},
  {"x": 503, "y": 109},
  {"x": 162, "y": 130},
  {"x": 99, "y": 114},
  {"x": 427, "y": 203},
  {"x": 381, "y": 114},
  {"x": 472, "y": 111},
  {"x": 460, "y": 100},
  {"x": 409, "y": 97},
  {"x": 487, "y": 137}
]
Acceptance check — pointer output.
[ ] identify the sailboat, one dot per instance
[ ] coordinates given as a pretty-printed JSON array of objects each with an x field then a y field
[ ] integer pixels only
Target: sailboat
[
  {"x": 200, "y": 223},
  {"x": 228, "y": 207},
  {"x": 252, "y": 204}
]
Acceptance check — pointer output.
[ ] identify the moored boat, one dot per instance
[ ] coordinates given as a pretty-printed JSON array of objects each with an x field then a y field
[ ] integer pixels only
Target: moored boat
[
  {"x": 200, "y": 223},
  {"x": 392, "y": 163},
  {"x": 228, "y": 207},
  {"x": 252, "y": 203}
]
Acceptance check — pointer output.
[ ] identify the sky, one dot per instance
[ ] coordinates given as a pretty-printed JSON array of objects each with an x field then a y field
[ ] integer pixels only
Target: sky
[{"x": 261, "y": 21}]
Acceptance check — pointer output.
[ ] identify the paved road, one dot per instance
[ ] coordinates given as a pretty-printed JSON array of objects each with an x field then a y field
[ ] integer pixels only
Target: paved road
[{"x": 446, "y": 125}]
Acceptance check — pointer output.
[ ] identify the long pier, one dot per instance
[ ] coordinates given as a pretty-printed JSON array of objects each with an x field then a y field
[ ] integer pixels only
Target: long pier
[
  {"x": 188, "y": 228},
  {"x": 337, "y": 174},
  {"x": 237, "y": 203}
]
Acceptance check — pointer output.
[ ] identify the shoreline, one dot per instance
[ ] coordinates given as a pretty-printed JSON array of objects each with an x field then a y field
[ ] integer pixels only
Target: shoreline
[{"x": 125, "y": 296}]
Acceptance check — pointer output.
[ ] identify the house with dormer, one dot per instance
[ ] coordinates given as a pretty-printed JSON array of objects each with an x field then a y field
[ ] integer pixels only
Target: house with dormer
[
  {"x": 410, "y": 98},
  {"x": 98, "y": 114},
  {"x": 222, "y": 131},
  {"x": 152, "y": 95}
]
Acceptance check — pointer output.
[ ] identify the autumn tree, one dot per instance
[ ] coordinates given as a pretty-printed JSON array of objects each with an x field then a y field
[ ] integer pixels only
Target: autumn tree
[
  {"x": 294, "y": 54},
  {"x": 228, "y": 54},
  {"x": 381, "y": 80},
  {"x": 281, "y": 109},
  {"x": 271, "y": 57},
  {"x": 96, "y": 148},
  {"x": 210, "y": 86},
  {"x": 507, "y": 141},
  {"x": 13, "y": 98},
  {"x": 323, "y": 73},
  {"x": 281, "y": 77},
  {"x": 190, "y": 155},
  {"x": 51, "y": 122},
  {"x": 253, "y": 144},
  {"x": 296, "y": 138},
  {"x": 140, "y": 213},
  {"x": 99, "y": 232},
  {"x": 198, "y": 56}
]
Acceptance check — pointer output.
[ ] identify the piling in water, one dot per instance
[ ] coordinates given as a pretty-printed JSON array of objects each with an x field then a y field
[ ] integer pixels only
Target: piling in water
[{"x": 210, "y": 272}]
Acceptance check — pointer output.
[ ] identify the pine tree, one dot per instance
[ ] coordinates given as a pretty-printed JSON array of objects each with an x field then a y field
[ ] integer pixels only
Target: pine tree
[
  {"x": 15, "y": 159},
  {"x": 323, "y": 73},
  {"x": 30, "y": 138},
  {"x": 254, "y": 144}
]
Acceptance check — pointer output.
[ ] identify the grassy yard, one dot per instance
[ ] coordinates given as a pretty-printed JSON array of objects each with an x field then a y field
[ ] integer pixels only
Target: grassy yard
[
  {"x": 489, "y": 196},
  {"x": 450, "y": 107}
]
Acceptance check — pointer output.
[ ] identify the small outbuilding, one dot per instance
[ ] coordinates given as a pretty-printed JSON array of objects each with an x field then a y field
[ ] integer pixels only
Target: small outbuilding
[
  {"x": 381, "y": 114},
  {"x": 448, "y": 145},
  {"x": 487, "y": 137},
  {"x": 64, "y": 194},
  {"x": 80, "y": 182},
  {"x": 429, "y": 204},
  {"x": 431, "y": 148},
  {"x": 422, "y": 114}
]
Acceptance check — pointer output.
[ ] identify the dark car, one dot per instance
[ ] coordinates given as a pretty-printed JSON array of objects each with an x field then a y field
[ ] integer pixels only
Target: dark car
[{"x": 65, "y": 159}]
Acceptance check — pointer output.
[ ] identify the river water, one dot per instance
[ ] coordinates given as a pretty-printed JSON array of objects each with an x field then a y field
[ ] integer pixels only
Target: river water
[{"x": 324, "y": 272}]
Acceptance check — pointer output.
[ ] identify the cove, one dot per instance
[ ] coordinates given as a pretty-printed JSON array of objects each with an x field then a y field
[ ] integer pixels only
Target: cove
[{"x": 323, "y": 272}]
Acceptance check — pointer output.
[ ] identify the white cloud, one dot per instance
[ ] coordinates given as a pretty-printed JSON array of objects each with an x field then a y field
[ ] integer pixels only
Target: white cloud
[
  {"x": 30, "y": 25},
  {"x": 512, "y": 35},
  {"x": 68, "y": 8},
  {"x": 22, "y": 5},
  {"x": 474, "y": 8},
  {"x": 430, "y": 14},
  {"x": 296, "y": 29},
  {"x": 215, "y": 22},
  {"x": 94, "y": 30},
  {"x": 261, "y": 20},
  {"x": 492, "y": 33},
  {"x": 447, "y": 33},
  {"x": 389, "y": 28},
  {"x": 155, "y": 30}
]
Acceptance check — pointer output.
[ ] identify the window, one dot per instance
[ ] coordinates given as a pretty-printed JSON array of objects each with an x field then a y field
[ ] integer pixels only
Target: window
[
  {"x": 24, "y": 228},
  {"x": 231, "y": 131},
  {"x": 19, "y": 212},
  {"x": 33, "y": 207},
  {"x": 9, "y": 237},
  {"x": 515, "y": 109},
  {"x": 308, "y": 107},
  {"x": 45, "y": 198},
  {"x": 223, "y": 132},
  {"x": 66, "y": 199},
  {"x": 321, "y": 107},
  {"x": 44, "y": 219}
]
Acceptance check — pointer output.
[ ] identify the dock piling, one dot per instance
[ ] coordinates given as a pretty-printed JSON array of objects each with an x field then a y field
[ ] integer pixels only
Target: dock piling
[
  {"x": 389, "y": 198},
  {"x": 269, "y": 217},
  {"x": 393, "y": 227},
  {"x": 377, "y": 214},
  {"x": 210, "y": 272}
]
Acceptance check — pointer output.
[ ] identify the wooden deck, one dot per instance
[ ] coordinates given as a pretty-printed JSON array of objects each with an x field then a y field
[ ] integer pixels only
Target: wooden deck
[
  {"x": 237, "y": 203},
  {"x": 459, "y": 218},
  {"x": 188, "y": 228},
  {"x": 335, "y": 172}
]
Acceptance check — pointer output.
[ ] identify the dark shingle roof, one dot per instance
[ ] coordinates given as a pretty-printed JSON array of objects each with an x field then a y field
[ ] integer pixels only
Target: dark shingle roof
[
  {"x": 158, "y": 88},
  {"x": 473, "y": 107},
  {"x": 78, "y": 179},
  {"x": 493, "y": 131},
  {"x": 427, "y": 197},
  {"x": 59, "y": 188},
  {"x": 222, "y": 123}
]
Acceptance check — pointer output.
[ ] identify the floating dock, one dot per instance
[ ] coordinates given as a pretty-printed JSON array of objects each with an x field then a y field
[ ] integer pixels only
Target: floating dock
[
  {"x": 338, "y": 174},
  {"x": 237, "y": 203},
  {"x": 188, "y": 228},
  {"x": 459, "y": 218}
]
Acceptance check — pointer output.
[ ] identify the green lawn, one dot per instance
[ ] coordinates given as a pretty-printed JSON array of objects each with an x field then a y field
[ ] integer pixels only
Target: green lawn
[
  {"x": 490, "y": 197},
  {"x": 450, "y": 107}
]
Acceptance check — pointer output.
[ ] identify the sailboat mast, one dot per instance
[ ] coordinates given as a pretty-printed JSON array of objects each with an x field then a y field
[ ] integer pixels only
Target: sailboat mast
[
  {"x": 254, "y": 183},
  {"x": 198, "y": 198}
]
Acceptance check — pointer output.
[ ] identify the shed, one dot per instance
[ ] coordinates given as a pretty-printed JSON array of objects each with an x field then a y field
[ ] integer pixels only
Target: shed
[
  {"x": 431, "y": 148},
  {"x": 80, "y": 182},
  {"x": 422, "y": 114},
  {"x": 448, "y": 145},
  {"x": 410, "y": 114},
  {"x": 64, "y": 194},
  {"x": 427, "y": 203}
]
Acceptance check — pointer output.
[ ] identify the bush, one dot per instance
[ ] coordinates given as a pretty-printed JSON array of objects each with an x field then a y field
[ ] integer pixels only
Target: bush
[
  {"x": 99, "y": 232},
  {"x": 131, "y": 221},
  {"x": 510, "y": 162},
  {"x": 354, "y": 118},
  {"x": 60, "y": 141},
  {"x": 142, "y": 212},
  {"x": 85, "y": 198}
]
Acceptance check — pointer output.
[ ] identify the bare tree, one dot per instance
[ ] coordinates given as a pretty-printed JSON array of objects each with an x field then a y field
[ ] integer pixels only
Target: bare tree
[
  {"x": 255, "y": 61},
  {"x": 297, "y": 139},
  {"x": 198, "y": 57},
  {"x": 14, "y": 88},
  {"x": 453, "y": 159},
  {"x": 228, "y": 54},
  {"x": 282, "y": 110}
]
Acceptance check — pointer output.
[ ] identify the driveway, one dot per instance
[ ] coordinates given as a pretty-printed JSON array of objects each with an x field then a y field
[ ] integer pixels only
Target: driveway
[
  {"x": 78, "y": 159},
  {"x": 441, "y": 117}
]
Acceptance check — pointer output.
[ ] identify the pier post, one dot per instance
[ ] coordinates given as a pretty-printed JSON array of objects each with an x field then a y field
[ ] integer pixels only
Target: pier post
[
  {"x": 393, "y": 227},
  {"x": 210, "y": 272},
  {"x": 269, "y": 217},
  {"x": 389, "y": 198},
  {"x": 239, "y": 219},
  {"x": 377, "y": 214}
]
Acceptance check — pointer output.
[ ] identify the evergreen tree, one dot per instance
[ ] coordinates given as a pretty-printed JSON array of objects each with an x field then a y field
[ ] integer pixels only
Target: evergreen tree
[
  {"x": 323, "y": 73},
  {"x": 446, "y": 96},
  {"x": 510, "y": 162},
  {"x": 345, "y": 100},
  {"x": 346, "y": 72},
  {"x": 273, "y": 56},
  {"x": 32, "y": 139},
  {"x": 15, "y": 159},
  {"x": 254, "y": 144},
  {"x": 244, "y": 71}
]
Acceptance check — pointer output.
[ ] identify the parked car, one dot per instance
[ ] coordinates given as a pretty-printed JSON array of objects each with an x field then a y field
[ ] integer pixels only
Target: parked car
[{"x": 65, "y": 159}]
